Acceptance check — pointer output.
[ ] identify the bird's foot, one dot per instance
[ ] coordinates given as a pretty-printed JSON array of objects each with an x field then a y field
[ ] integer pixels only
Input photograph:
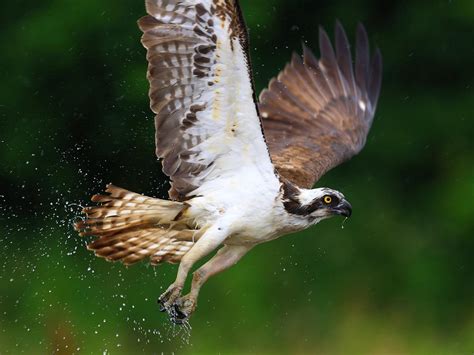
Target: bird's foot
[
  {"x": 179, "y": 309},
  {"x": 182, "y": 309},
  {"x": 168, "y": 298}
]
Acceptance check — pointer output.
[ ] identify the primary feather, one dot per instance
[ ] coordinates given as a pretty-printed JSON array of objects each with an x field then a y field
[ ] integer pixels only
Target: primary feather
[{"x": 317, "y": 113}]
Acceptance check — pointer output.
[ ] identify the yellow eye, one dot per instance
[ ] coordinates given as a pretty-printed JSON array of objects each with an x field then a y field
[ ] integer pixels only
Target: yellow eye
[{"x": 327, "y": 199}]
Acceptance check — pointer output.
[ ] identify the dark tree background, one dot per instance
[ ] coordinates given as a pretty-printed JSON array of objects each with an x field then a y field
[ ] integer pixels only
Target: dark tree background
[{"x": 74, "y": 115}]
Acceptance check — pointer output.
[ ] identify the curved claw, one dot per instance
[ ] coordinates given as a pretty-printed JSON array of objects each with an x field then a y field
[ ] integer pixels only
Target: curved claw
[
  {"x": 162, "y": 306},
  {"x": 182, "y": 309},
  {"x": 179, "y": 309},
  {"x": 177, "y": 316},
  {"x": 168, "y": 298}
]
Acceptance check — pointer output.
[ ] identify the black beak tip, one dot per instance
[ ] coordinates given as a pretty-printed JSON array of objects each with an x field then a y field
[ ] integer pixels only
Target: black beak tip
[
  {"x": 345, "y": 209},
  {"x": 346, "y": 213}
]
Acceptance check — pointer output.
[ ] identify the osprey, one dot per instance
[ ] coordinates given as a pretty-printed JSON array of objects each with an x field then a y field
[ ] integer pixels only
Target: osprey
[{"x": 241, "y": 172}]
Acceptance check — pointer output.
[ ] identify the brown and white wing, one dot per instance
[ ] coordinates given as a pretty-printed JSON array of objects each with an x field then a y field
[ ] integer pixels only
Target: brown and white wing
[
  {"x": 201, "y": 91},
  {"x": 317, "y": 113}
]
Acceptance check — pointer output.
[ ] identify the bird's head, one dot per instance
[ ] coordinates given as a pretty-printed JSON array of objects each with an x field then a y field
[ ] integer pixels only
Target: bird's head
[{"x": 316, "y": 204}]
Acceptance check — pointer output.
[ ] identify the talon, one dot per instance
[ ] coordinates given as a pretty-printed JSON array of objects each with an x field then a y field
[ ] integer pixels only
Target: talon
[
  {"x": 162, "y": 306},
  {"x": 182, "y": 309},
  {"x": 168, "y": 298},
  {"x": 178, "y": 316}
]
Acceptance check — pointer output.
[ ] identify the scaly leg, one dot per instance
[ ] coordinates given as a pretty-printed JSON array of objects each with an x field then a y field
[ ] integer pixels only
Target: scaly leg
[
  {"x": 210, "y": 240},
  {"x": 227, "y": 256}
]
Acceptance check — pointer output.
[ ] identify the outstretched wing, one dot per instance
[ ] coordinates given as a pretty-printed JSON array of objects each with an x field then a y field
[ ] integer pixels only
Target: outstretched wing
[
  {"x": 201, "y": 91},
  {"x": 317, "y": 113}
]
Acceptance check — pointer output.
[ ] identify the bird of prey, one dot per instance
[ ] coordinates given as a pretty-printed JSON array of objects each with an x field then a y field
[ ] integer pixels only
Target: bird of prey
[{"x": 241, "y": 169}]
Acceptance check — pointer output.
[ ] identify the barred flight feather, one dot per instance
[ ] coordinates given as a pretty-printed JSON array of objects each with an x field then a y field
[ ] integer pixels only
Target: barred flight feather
[{"x": 200, "y": 87}]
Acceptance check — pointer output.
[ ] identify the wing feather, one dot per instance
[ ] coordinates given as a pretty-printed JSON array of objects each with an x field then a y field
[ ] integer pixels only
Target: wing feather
[
  {"x": 317, "y": 113},
  {"x": 201, "y": 91}
]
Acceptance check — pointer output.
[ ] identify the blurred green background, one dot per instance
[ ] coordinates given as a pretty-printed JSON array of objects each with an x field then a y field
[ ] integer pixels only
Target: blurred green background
[{"x": 397, "y": 279}]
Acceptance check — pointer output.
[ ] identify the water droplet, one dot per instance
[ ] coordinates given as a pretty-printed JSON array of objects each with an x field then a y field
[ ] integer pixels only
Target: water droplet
[{"x": 344, "y": 221}]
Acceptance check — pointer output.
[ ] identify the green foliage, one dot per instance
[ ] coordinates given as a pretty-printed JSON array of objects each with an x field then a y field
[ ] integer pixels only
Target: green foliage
[{"x": 74, "y": 115}]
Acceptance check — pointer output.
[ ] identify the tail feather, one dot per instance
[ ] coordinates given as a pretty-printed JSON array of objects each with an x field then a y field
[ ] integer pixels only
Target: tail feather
[
  {"x": 133, "y": 227},
  {"x": 158, "y": 244}
]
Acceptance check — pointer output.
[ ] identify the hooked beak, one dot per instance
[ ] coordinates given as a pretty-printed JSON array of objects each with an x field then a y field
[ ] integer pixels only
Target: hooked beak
[{"x": 344, "y": 208}]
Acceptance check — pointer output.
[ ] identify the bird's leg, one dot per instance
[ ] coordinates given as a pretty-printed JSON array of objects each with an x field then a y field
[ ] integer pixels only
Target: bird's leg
[
  {"x": 210, "y": 240},
  {"x": 226, "y": 257}
]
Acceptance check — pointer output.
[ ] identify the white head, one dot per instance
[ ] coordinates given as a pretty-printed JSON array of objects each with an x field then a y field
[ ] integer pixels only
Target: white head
[{"x": 315, "y": 204}]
